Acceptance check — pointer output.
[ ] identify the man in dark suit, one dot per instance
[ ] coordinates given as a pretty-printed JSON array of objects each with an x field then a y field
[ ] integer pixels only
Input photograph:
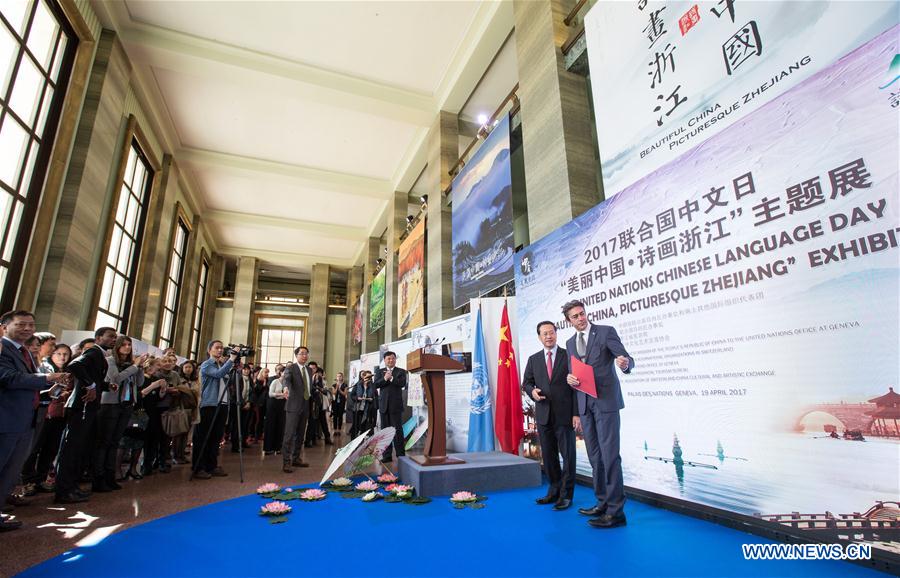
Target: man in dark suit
[
  {"x": 89, "y": 372},
  {"x": 600, "y": 347},
  {"x": 556, "y": 415},
  {"x": 297, "y": 391},
  {"x": 390, "y": 381},
  {"x": 20, "y": 387}
]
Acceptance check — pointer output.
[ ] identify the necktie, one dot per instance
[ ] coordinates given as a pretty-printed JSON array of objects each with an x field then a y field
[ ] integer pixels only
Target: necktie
[
  {"x": 581, "y": 346},
  {"x": 305, "y": 382},
  {"x": 29, "y": 363},
  {"x": 550, "y": 364}
]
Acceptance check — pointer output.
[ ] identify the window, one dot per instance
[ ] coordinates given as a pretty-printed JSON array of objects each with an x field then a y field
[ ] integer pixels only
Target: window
[
  {"x": 198, "y": 308},
  {"x": 125, "y": 242},
  {"x": 36, "y": 52},
  {"x": 277, "y": 346},
  {"x": 173, "y": 285}
]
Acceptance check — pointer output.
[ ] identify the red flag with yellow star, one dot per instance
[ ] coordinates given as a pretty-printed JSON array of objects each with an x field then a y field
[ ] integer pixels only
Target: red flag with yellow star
[{"x": 508, "y": 426}]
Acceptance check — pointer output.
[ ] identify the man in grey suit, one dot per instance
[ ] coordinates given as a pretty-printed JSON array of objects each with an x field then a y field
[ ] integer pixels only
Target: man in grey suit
[
  {"x": 296, "y": 388},
  {"x": 600, "y": 347},
  {"x": 20, "y": 385}
]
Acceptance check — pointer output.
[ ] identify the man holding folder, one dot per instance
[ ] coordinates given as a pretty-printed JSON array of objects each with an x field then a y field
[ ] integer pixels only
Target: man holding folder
[{"x": 599, "y": 347}]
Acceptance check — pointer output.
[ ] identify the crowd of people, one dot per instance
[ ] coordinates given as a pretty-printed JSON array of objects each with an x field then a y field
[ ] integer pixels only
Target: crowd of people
[{"x": 95, "y": 412}]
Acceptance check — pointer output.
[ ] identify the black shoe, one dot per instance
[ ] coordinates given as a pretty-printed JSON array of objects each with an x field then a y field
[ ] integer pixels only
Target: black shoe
[
  {"x": 15, "y": 500},
  {"x": 548, "y": 499},
  {"x": 100, "y": 486},
  {"x": 7, "y": 525},
  {"x": 595, "y": 511},
  {"x": 202, "y": 475},
  {"x": 607, "y": 521},
  {"x": 562, "y": 504},
  {"x": 110, "y": 480},
  {"x": 286, "y": 468},
  {"x": 70, "y": 498}
]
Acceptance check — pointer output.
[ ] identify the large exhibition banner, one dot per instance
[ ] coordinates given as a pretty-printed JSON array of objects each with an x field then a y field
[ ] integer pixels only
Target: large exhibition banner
[
  {"x": 411, "y": 280},
  {"x": 376, "y": 302},
  {"x": 482, "y": 237},
  {"x": 668, "y": 75},
  {"x": 754, "y": 279}
]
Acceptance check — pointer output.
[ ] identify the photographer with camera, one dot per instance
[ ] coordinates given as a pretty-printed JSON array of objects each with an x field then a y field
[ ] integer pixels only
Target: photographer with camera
[{"x": 214, "y": 373}]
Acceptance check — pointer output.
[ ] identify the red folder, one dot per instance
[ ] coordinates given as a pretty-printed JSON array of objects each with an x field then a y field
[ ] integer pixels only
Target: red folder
[{"x": 585, "y": 375}]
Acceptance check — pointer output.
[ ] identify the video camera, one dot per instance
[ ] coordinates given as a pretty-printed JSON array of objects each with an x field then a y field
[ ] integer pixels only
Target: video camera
[{"x": 240, "y": 350}]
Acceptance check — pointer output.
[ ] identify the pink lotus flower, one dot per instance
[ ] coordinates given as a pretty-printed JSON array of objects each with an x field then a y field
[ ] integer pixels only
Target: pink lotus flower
[
  {"x": 313, "y": 495},
  {"x": 367, "y": 486},
  {"x": 462, "y": 497},
  {"x": 390, "y": 488},
  {"x": 269, "y": 488},
  {"x": 402, "y": 491},
  {"x": 275, "y": 508},
  {"x": 387, "y": 478}
]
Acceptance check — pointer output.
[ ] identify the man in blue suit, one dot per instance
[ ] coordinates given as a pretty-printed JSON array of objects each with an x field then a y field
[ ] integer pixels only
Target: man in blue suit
[
  {"x": 600, "y": 347},
  {"x": 20, "y": 387}
]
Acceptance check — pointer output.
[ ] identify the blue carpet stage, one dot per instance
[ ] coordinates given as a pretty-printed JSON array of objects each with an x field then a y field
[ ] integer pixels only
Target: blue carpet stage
[{"x": 510, "y": 537}]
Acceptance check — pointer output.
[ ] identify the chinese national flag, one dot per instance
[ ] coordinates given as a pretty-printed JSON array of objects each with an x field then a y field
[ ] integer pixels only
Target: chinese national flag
[{"x": 509, "y": 421}]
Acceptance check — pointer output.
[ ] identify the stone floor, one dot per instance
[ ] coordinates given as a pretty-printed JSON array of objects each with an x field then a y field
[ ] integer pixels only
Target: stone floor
[{"x": 144, "y": 500}]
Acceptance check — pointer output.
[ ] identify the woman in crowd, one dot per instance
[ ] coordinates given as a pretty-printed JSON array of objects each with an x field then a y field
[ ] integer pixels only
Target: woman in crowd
[
  {"x": 156, "y": 399},
  {"x": 38, "y": 467},
  {"x": 186, "y": 403},
  {"x": 258, "y": 399},
  {"x": 339, "y": 394},
  {"x": 190, "y": 376},
  {"x": 125, "y": 377},
  {"x": 325, "y": 405},
  {"x": 274, "y": 414},
  {"x": 243, "y": 386}
]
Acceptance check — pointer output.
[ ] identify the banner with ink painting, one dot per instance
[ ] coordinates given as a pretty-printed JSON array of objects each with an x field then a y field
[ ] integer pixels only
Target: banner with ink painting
[
  {"x": 754, "y": 279},
  {"x": 482, "y": 232}
]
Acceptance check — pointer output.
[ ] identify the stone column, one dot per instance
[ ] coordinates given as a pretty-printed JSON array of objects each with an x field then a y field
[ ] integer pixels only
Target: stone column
[
  {"x": 213, "y": 285},
  {"x": 319, "y": 289},
  {"x": 74, "y": 257},
  {"x": 443, "y": 152},
  {"x": 244, "y": 297},
  {"x": 560, "y": 166},
  {"x": 397, "y": 211}
]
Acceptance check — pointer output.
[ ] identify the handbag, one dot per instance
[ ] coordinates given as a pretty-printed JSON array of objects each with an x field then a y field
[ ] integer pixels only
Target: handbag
[{"x": 176, "y": 422}]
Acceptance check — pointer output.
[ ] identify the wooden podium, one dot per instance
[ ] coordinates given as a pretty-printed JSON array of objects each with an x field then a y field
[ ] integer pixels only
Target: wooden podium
[{"x": 432, "y": 368}]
